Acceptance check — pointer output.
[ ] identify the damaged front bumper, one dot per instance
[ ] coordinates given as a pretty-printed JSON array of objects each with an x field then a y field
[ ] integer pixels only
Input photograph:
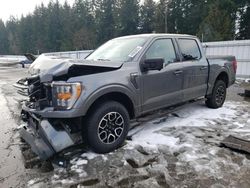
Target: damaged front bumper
[
  {"x": 45, "y": 140},
  {"x": 22, "y": 87}
]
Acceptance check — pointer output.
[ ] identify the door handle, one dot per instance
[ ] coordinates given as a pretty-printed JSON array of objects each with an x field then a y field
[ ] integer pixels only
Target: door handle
[
  {"x": 203, "y": 68},
  {"x": 178, "y": 72}
]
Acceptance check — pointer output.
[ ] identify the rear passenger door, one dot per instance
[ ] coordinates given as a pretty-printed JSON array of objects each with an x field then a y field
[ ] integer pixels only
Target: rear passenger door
[{"x": 195, "y": 68}]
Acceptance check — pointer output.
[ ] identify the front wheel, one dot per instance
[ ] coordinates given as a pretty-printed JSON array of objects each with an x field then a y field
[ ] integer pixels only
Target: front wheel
[
  {"x": 106, "y": 127},
  {"x": 217, "y": 99}
]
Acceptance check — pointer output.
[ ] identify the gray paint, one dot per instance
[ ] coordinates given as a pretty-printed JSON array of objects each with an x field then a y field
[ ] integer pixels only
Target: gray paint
[{"x": 55, "y": 137}]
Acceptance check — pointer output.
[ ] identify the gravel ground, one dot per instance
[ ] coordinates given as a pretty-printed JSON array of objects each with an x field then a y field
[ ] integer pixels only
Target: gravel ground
[{"x": 181, "y": 149}]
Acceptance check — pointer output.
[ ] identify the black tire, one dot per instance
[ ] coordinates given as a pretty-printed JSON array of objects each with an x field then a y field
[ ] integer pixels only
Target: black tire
[
  {"x": 105, "y": 120},
  {"x": 217, "y": 99}
]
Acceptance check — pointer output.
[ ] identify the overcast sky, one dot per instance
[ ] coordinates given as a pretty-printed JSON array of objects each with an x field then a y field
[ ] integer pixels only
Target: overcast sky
[{"x": 18, "y": 7}]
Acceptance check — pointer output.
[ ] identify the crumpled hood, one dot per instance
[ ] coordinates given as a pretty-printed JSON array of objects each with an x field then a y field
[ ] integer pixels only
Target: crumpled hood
[{"x": 50, "y": 67}]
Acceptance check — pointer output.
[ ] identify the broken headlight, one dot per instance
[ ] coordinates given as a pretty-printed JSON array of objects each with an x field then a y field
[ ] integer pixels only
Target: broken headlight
[{"x": 64, "y": 95}]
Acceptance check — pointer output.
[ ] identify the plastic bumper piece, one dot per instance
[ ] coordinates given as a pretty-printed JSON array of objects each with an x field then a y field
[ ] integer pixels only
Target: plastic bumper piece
[{"x": 44, "y": 140}]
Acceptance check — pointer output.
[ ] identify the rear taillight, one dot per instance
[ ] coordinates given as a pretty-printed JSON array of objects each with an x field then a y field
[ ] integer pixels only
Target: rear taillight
[{"x": 235, "y": 65}]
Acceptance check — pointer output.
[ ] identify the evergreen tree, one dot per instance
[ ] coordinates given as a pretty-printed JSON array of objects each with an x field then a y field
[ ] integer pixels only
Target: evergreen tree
[
  {"x": 105, "y": 21},
  {"x": 88, "y": 23},
  {"x": 68, "y": 28},
  {"x": 84, "y": 25},
  {"x": 128, "y": 17},
  {"x": 160, "y": 16},
  {"x": 55, "y": 26},
  {"x": 12, "y": 30},
  {"x": 82, "y": 10},
  {"x": 147, "y": 17},
  {"x": 40, "y": 29},
  {"x": 220, "y": 22},
  {"x": 185, "y": 16},
  {"x": 3, "y": 39},
  {"x": 25, "y": 34},
  {"x": 244, "y": 23}
]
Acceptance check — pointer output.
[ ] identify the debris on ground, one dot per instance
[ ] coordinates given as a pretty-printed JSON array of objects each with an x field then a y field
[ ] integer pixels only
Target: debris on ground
[
  {"x": 236, "y": 143},
  {"x": 246, "y": 85}
]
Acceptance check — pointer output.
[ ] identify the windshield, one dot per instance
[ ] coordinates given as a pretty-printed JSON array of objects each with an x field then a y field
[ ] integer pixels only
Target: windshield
[{"x": 120, "y": 49}]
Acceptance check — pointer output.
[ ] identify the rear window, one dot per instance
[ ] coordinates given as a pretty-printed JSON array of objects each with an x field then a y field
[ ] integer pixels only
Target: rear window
[{"x": 189, "y": 49}]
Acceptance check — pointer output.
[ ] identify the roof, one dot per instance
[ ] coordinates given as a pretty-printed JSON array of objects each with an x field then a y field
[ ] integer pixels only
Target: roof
[{"x": 153, "y": 35}]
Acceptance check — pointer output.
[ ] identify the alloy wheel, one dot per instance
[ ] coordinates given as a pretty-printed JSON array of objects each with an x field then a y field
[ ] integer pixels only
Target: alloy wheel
[{"x": 110, "y": 127}]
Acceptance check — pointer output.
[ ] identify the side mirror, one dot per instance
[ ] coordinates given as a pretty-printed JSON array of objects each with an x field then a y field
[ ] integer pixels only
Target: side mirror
[{"x": 152, "y": 64}]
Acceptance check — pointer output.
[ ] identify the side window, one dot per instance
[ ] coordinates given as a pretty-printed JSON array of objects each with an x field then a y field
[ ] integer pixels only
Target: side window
[
  {"x": 162, "y": 48},
  {"x": 189, "y": 49}
]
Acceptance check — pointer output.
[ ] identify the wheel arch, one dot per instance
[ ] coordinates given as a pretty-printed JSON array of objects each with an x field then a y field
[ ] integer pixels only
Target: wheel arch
[
  {"x": 121, "y": 95},
  {"x": 224, "y": 77}
]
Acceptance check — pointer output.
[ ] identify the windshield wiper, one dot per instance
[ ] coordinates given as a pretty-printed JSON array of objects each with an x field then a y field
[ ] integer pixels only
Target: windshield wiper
[{"x": 103, "y": 59}]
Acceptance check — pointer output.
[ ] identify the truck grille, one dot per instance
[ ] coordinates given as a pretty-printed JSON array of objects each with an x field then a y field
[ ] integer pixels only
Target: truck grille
[
  {"x": 35, "y": 89},
  {"x": 38, "y": 93}
]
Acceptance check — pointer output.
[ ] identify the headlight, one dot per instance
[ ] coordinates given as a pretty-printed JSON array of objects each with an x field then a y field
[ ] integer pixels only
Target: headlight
[{"x": 64, "y": 95}]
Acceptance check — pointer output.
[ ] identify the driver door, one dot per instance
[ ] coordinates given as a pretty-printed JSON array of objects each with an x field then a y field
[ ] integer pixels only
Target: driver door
[{"x": 162, "y": 88}]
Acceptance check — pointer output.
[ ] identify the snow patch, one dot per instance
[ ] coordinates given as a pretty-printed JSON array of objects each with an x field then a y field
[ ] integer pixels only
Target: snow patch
[
  {"x": 32, "y": 182},
  {"x": 152, "y": 134},
  {"x": 89, "y": 155},
  {"x": 104, "y": 157},
  {"x": 67, "y": 181}
]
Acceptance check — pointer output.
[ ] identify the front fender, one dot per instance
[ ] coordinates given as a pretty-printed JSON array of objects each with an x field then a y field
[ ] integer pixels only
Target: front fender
[{"x": 106, "y": 90}]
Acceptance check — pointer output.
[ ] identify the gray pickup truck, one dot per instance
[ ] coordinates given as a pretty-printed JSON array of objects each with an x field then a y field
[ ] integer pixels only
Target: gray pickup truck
[{"x": 92, "y": 101}]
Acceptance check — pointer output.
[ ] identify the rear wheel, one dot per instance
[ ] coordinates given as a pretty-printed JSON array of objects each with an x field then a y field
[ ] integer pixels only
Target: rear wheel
[
  {"x": 106, "y": 127},
  {"x": 217, "y": 99}
]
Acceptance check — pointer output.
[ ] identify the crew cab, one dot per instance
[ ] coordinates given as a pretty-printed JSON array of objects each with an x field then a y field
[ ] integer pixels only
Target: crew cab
[{"x": 92, "y": 101}]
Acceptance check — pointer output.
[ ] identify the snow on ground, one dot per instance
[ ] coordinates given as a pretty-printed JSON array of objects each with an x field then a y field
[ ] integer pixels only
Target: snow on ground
[
  {"x": 180, "y": 134},
  {"x": 196, "y": 115},
  {"x": 182, "y": 148}
]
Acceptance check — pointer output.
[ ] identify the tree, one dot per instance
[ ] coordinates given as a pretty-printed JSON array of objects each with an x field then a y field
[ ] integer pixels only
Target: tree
[
  {"x": 40, "y": 29},
  {"x": 12, "y": 30},
  {"x": 244, "y": 23},
  {"x": 83, "y": 15},
  {"x": 128, "y": 17},
  {"x": 160, "y": 16},
  {"x": 67, "y": 30},
  {"x": 105, "y": 21},
  {"x": 83, "y": 39},
  {"x": 147, "y": 17},
  {"x": 84, "y": 25},
  {"x": 185, "y": 16},
  {"x": 55, "y": 26},
  {"x": 25, "y": 35},
  {"x": 4, "y": 43},
  {"x": 88, "y": 23},
  {"x": 220, "y": 21}
]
